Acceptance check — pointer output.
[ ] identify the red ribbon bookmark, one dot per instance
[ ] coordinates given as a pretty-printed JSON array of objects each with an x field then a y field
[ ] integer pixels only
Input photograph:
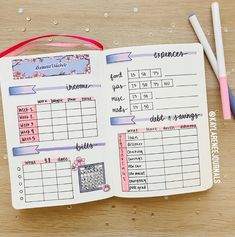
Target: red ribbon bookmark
[{"x": 14, "y": 50}]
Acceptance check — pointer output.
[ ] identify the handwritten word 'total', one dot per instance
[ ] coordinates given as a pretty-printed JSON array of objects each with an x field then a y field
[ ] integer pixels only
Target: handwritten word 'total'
[{"x": 84, "y": 146}]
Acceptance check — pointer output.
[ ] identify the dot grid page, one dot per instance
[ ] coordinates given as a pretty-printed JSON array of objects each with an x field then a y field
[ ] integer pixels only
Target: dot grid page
[{"x": 159, "y": 119}]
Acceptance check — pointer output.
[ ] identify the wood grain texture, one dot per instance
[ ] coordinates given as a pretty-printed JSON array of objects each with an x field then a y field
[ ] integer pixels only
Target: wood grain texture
[{"x": 210, "y": 213}]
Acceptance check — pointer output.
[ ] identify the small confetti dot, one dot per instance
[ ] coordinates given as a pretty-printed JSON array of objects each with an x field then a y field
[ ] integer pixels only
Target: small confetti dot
[
  {"x": 5, "y": 157},
  {"x": 166, "y": 197},
  {"x": 55, "y": 22},
  {"x": 69, "y": 207},
  {"x": 23, "y": 29},
  {"x": 107, "y": 223},
  {"x": 150, "y": 33},
  {"x": 20, "y": 10},
  {"x": 152, "y": 214},
  {"x": 208, "y": 33},
  {"x": 28, "y": 18},
  {"x": 199, "y": 199},
  {"x": 115, "y": 42},
  {"x": 106, "y": 14},
  {"x": 225, "y": 29},
  {"x": 87, "y": 29},
  {"x": 169, "y": 29},
  {"x": 135, "y": 9},
  {"x": 233, "y": 69},
  {"x": 197, "y": 212},
  {"x": 133, "y": 218},
  {"x": 50, "y": 40},
  {"x": 173, "y": 24},
  {"x": 17, "y": 217},
  {"x": 113, "y": 206}
]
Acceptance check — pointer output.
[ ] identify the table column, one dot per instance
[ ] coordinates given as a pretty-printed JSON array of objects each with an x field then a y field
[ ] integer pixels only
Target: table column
[
  {"x": 33, "y": 183},
  {"x": 28, "y": 125},
  {"x": 190, "y": 157},
  {"x": 59, "y": 121},
  {"x": 123, "y": 161},
  {"x": 64, "y": 180},
  {"x": 172, "y": 159},
  {"x": 44, "y": 122},
  {"x": 88, "y": 110},
  {"x": 50, "y": 187},
  {"x": 136, "y": 162},
  {"x": 74, "y": 119},
  {"x": 154, "y": 160}
]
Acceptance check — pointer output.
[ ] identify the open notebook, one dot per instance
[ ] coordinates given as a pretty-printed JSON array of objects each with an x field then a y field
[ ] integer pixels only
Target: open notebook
[{"x": 88, "y": 125}]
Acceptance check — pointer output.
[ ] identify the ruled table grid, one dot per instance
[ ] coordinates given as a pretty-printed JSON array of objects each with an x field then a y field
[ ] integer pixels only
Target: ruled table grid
[
  {"x": 57, "y": 121},
  {"x": 141, "y": 83},
  {"x": 48, "y": 182},
  {"x": 160, "y": 160}
]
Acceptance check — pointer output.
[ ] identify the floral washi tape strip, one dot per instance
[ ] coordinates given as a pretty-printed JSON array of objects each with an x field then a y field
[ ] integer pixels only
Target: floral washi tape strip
[{"x": 51, "y": 66}]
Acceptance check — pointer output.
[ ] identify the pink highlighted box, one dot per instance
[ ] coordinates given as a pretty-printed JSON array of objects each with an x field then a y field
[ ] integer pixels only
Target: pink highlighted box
[
  {"x": 28, "y": 131},
  {"x": 26, "y": 109},
  {"x": 28, "y": 124},
  {"x": 27, "y": 116},
  {"x": 123, "y": 162},
  {"x": 29, "y": 138}
]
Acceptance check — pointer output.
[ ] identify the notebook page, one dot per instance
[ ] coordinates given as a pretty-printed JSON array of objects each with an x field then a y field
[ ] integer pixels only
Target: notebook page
[
  {"x": 158, "y": 118},
  {"x": 56, "y": 141}
]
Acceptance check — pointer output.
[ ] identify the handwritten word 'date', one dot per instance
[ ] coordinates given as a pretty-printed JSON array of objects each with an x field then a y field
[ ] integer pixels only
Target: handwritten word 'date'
[
  {"x": 116, "y": 76},
  {"x": 117, "y": 87},
  {"x": 84, "y": 146}
]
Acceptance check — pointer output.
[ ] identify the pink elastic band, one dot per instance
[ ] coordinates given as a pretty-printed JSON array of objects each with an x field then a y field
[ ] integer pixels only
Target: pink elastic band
[
  {"x": 59, "y": 44},
  {"x": 225, "y": 97},
  {"x": 23, "y": 43}
]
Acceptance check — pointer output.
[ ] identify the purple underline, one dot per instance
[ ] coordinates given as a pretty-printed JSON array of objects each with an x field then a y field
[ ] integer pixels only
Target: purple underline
[
  {"x": 57, "y": 148},
  {"x": 50, "y": 88},
  {"x": 141, "y": 55}
]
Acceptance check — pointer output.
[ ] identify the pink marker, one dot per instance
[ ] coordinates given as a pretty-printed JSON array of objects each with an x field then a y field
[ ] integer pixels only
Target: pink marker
[{"x": 221, "y": 62}]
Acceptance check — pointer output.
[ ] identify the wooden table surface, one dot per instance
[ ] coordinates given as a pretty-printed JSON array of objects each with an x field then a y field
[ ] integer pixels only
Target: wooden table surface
[{"x": 128, "y": 23}]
